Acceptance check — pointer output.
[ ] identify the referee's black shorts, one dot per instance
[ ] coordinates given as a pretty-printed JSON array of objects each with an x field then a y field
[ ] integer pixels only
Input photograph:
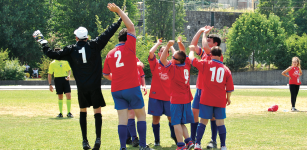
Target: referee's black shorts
[
  {"x": 91, "y": 98},
  {"x": 61, "y": 85}
]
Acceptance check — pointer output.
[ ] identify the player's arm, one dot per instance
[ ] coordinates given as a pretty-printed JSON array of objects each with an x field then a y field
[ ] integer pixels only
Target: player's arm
[
  {"x": 204, "y": 42},
  {"x": 128, "y": 23},
  {"x": 195, "y": 40},
  {"x": 154, "y": 48},
  {"x": 191, "y": 54},
  {"x": 109, "y": 76},
  {"x": 228, "y": 94},
  {"x": 163, "y": 58},
  {"x": 286, "y": 71},
  {"x": 68, "y": 76},
  {"x": 143, "y": 83},
  {"x": 180, "y": 44},
  {"x": 49, "y": 81}
]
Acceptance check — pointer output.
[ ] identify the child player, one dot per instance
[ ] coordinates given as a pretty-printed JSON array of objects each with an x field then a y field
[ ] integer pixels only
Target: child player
[
  {"x": 180, "y": 95},
  {"x": 159, "y": 97},
  {"x": 215, "y": 94},
  {"x": 208, "y": 41}
]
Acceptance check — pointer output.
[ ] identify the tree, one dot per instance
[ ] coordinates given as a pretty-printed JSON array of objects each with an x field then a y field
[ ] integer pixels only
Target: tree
[
  {"x": 300, "y": 15},
  {"x": 253, "y": 35},
  {"x": 18, "y": 20},
  {"x": 159, "y": 18},
  {"x": 297, "y": 46}
]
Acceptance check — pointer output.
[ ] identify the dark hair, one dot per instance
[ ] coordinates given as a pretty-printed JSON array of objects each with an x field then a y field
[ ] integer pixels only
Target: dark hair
[
  {"x": 122, "y": 36},
  {"x": 216, "y": 51},
  {"x": 215, "y": 38},
  {"x": 182, "y": 56}
]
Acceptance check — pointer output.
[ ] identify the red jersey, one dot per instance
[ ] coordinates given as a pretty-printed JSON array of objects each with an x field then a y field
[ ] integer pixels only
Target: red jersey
[
  {"x": 218, "y": 80},
  {"x": 179, "y": 75},
  {"x": 141, "y": 74},
  {"x": 294, "y": 73},
  {"x": 204, "y": 56},
  {"x": 160, "y": 81},
  {"x": 121, "y": 62}
]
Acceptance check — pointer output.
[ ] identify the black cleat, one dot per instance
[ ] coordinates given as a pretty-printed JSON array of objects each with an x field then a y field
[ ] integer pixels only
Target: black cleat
[
  {"x": 60, "y": 116},
  {"x": 157, "y": 143},
  {"x": 129, "y": 141},
  {"x": 97, "y": 144},
  {"x": 145, "y": 148},
  {"x": 135, "y": 142},
  {"x": 86, "y": 145},
  {"x": 175, "y": 139},
  {"x": 123, "y": 149},
  {"x": 69, "y": 115}
]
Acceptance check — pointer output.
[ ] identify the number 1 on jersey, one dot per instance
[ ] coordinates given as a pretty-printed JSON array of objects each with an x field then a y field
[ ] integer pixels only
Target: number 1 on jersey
[
  {"x": 82, "y": 51},
  {"x": 119, "y": 55}
]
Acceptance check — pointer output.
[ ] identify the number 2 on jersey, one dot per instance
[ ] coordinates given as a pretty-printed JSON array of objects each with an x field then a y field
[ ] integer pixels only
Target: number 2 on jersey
[
  {"x": 82, "y": 51},
  {"x": 219, "y": 74},
  {"x": 119, "y": 55}
]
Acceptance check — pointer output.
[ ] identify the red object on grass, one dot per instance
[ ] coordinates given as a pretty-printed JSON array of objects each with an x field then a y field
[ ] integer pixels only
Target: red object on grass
[{"x": 273, "y": 108}]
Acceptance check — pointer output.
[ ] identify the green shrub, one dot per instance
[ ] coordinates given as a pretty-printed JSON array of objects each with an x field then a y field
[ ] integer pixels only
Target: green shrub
[
  {"x": 44, "y": 66},
  {"x": 12, "y": 70}
]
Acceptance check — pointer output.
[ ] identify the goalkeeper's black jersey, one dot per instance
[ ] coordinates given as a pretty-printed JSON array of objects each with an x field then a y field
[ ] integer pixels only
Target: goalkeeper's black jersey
[{"x": 84, "y": 58}]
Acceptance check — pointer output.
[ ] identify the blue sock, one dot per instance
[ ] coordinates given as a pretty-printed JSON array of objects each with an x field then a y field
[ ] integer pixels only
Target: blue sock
[
  {"x": 171, "y": 127},
  {"x": 131, "y": 128},
  {"x": 122, "y": 132},
  {"x": 200, "y": 132},
  {"x": 156, "y": 131},
  {"x": 193, "y": 130},
  {"x": 187, "y": 140},
  {"x": 128, "y": 134},
  {"x": 222, "y": 133},
  {"x": 213, "y": 130},
  {"x": 180, "y": 144},
  {"x": 141, "y": 125}
]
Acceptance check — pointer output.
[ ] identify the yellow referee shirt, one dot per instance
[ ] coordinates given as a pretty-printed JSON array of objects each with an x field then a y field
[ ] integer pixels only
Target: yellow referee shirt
[{"x": 59, "y": 68}]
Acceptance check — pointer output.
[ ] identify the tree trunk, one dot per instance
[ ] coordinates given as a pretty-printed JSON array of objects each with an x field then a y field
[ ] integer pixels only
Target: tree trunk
[{"x": 253, "y": 60}]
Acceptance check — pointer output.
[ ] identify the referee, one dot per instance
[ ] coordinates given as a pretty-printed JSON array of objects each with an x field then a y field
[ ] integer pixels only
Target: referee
[
  {"x": 85, "y": 61},
  {"x": 61, "y": 72}
]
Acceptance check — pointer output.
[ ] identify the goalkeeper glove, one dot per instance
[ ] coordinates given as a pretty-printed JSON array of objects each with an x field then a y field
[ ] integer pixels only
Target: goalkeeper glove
[{"x": 38, "y": 36}]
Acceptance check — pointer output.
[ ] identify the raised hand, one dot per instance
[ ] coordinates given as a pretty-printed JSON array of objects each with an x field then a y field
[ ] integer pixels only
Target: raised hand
[
  {"x": 159, "y": 41},
  {"x": 208, "y": 29},
  {"x": 38, "y": 36},
  {"x": 170, "y": 43},
  {"x": 179, "y": 40},
  {"x": 112, "y": 7},
  {"x": 192, "y": 48}
]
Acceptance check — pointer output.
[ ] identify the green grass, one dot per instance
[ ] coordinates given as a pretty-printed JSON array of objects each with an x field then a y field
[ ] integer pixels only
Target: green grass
[{"x": 27, "y": 121}]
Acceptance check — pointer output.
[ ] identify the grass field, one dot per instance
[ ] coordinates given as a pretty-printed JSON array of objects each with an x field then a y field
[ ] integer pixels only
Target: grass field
[{"x": 27, "y": 121}]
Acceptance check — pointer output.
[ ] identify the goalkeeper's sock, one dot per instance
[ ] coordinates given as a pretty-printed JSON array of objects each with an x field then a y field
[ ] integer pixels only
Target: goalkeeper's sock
[
  {"x": 98, "y": 124},
  {"x": 60, "y": 102},
  {"x": 68, "y": 103},
  {"x": 222, "y": 133},
  {"x": 83, "y": 125}
]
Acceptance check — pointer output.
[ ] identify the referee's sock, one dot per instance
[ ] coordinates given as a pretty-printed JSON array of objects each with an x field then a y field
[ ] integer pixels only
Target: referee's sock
[
  {"x": 68, "y": 103},
  {"x": 98, "y": 124},
  {"x": 83, "y": 125},
  {"x": 60, "y": 102},
  {"x": 193, "y": 130},
  {"x": 141, "y": 126},
  {"x": 156, "y": 131},
  {"x": 222, "y": 134},
  {"x": 200, "y": 132},
  {"x": 213, "y": 131}
]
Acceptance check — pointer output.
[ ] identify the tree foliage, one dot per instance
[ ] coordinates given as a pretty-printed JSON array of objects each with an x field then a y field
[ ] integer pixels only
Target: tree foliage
[
  {"x": 297, "y": 46},
  {"x": 159, "y": 18},
  {"x": 300, "y": 15},
  {"x": 255, "y": 36}
]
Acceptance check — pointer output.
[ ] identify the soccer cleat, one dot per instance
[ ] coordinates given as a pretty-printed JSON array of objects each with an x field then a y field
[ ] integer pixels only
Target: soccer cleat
[
  {"x": 181, "y": 148},
  {"x": 135, "y": 142},
  {"x": 86, "y": 145},
  {"x": 129, "y": 141},
  {"x": 294, "y": 109},
  {"x": 145, "y": 148},
  {"x": 175, "y": 139},
  {"x": 97, "y": 144},
  {"x": 69, "y": 115},
  {"x": 197, "y": 146},
  {"x": 60, "y": 116},
  {"x": 157, "y": 143},
  {"x": 211, "y": 144},
  {"x": 190, "y": 145},
  {"x": 123, "y": 149},
  {"x": 223, "y": 148}
]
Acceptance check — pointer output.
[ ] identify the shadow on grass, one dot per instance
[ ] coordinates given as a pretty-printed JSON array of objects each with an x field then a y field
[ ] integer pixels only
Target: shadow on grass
[{"x": 60, "y": 118}]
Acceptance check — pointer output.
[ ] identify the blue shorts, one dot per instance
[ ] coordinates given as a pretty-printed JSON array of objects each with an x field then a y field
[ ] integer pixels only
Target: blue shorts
[
  {"x": 132, "y": 97},
  {"x": 196, "y": 100},
  {"x": 181, "y": 114},
  {"x": 206, "y": 112},
  {"x": 159, "y": 107}
]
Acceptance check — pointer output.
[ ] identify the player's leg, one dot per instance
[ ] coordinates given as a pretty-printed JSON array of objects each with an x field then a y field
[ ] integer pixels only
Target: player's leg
[
  {"x": 205, "y": 113},
  {"x": 60, "y": 103},
  {"x": 131, "y": 128},
  {"x": 293, "y": 91},
  {"x": 220, "y": 115},
  {"x": 213, "y": 143},
  {"x": 167, "y": 112},
  {"x": 195, "y": 109},
  {"x": 155, "y": 108},
  {"x": 171, "y": 128},
  {"x": 83, "y": 125},
  {"x": 176, "y": 119},
  {"x": 187, "y": 140},
  {"x": 156, "y": 129}
]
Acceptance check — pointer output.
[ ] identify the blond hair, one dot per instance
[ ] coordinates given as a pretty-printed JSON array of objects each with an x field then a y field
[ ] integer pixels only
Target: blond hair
[{"x": 298, "y": 61}]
